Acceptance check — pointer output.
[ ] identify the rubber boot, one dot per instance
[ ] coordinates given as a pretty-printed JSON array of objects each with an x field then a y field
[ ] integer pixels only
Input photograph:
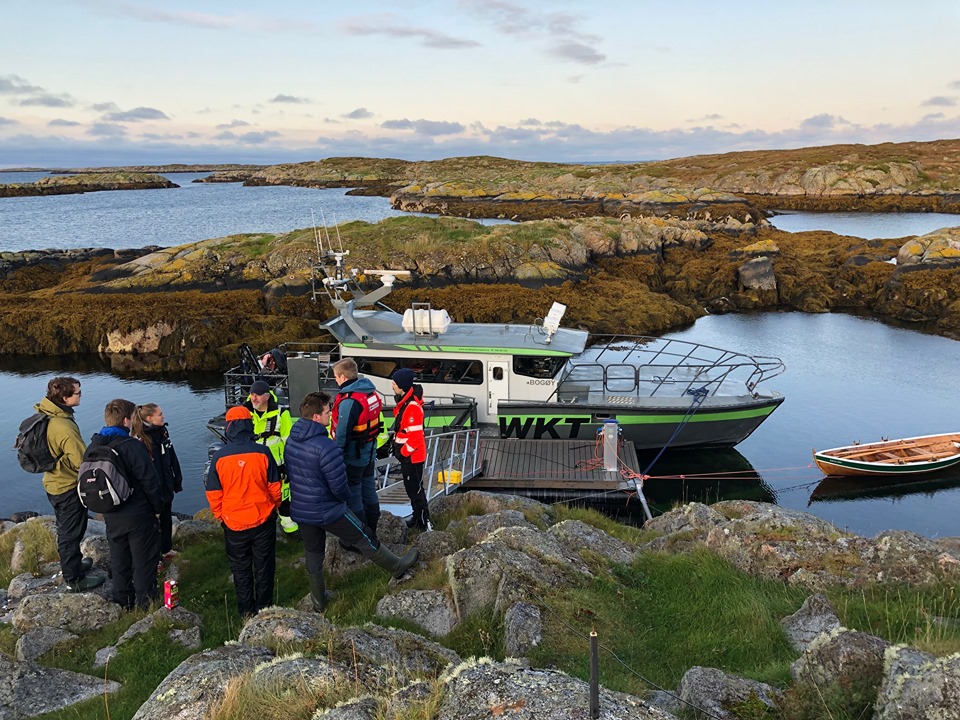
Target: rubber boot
[
  {"x": 319, "y": 595},
  {"x": 394, "y": 565}
]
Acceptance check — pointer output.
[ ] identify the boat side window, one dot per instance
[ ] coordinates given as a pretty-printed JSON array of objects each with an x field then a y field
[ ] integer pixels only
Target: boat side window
[
  {"x": 377, "y": 368},
  {"x": 457, "y": 372},
  {"x": 537, "y": 367}
]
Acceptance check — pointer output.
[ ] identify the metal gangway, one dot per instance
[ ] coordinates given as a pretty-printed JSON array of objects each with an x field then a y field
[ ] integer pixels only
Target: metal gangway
[{"x": 452, "y": 458}]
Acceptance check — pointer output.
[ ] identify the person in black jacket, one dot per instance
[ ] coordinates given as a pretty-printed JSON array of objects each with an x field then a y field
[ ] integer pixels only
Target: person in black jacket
[
  {"x": 319, "y": 495},
  {"x": 150, "y": 427},
  {"x": 133, "y": 530}
]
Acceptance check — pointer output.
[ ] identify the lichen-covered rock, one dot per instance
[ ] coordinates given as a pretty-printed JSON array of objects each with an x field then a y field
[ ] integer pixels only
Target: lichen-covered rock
[
  {"x": 541, "y": 546},
  {"x": 493, "y": 575},
  {"x": 479, "y": 690},
  {"x": 361, "y": 708},
  {"x": 400, "y": 653},
  {"x": 478, "y": 527},
  {"x": 430, "y": 609},
  {"x": 28, "y": 690},
  {"x": 844, "y": 657},
  {"x": 815, "y": 617},
  {"x": 278, "y": 626},
  {"x": 692, "y": 518},
  {"x": 757, "y": 274},
  {"x": 196, "y": 685},
  {"x": 76, "y": 612},
  {"x": 522, "y": 629},
  {"x": 918, "y": 686},
  {"x": 585, "y": 541},
  {"x": 436, "y": 544},
  {"x": 939, "y": 246},
  {"x": 34, "y": 643},
  {"x": 177, "y": 618},
  {"x": 536, "y": 512},
  {"x": 717, "y": 693}
]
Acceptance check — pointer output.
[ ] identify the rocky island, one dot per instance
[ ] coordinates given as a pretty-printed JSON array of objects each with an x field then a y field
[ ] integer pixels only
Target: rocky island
[{"x": 86, "y": 182}]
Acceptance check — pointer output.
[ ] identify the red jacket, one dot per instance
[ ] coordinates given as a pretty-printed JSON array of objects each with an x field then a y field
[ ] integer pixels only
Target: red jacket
[{"x": 408, "y": 424}]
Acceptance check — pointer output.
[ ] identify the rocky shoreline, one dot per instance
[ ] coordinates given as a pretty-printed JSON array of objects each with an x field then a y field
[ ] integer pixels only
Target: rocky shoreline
[
  {"x": 652, "y": 274},
  {"x": 86, "y": 182},
  {"x": 506, "y": 555}
]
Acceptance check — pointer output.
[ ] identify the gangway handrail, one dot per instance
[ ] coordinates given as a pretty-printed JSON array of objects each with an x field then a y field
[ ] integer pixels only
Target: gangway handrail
[{"x": 462, "y": 456}]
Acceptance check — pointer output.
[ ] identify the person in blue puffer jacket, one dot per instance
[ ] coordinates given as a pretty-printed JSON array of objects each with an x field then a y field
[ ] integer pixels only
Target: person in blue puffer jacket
[{"x": 319, "y": 494}]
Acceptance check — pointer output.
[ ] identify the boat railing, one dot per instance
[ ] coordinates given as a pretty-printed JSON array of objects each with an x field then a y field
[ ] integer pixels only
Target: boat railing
[
  {"x": 452, "y": 457},
  {"x": 238, "y": 379},
  {"x": 660, "y": 367}
]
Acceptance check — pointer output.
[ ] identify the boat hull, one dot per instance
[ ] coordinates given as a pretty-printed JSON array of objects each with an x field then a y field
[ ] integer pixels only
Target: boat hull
[
  {"x": 719, "y": 423},
  {"x": 909, "y": 456}
]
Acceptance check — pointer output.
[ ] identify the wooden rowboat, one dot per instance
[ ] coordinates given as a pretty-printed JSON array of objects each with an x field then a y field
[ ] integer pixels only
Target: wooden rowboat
[{"x": 922, "y": 454}]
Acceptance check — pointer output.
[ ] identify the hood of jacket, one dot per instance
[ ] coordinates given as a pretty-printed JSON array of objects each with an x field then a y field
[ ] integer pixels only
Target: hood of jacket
[
  {"x": 49, "y": 407},
  {"x": 239, "y": 431},
  {"x": 362, "y": 385}
]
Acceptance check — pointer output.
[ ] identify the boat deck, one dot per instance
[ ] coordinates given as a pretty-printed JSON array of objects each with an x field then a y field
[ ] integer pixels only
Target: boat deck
[{"x": 540, "y": 466}]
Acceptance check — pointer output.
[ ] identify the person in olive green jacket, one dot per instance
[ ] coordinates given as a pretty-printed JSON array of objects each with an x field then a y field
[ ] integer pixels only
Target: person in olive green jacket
[{"x": 66, "y": 444}]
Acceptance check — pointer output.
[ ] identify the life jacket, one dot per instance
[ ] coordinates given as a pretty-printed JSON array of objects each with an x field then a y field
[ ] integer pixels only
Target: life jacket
[
  {"x": 409, "y": 440},
  {"x": 367, "y": 427}
]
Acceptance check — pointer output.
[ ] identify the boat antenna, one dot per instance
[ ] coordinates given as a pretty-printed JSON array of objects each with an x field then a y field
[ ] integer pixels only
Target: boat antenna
[
  {"x": 326, "y": 229},
  {"x": 337, "y": 228},
  {"x": 316, "y": 234}
]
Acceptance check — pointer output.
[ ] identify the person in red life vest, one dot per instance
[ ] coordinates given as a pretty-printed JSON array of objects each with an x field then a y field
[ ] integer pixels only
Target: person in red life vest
[
  {"x": 243, "y": 489},
  {"x": 355, "y": 426},
  {"x": 409, "y": 444}
]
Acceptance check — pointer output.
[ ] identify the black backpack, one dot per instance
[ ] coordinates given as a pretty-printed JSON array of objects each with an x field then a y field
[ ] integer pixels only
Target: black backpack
[
  {"x": 101, "y": 482},
  {"x": 33, "y": 453}
]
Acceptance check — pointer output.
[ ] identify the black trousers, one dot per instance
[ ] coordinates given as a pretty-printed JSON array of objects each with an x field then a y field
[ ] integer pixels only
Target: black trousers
[
  {"x": 253, "y": 562},
  {"x": 413, "y": 483},
  {"x": 134, "y": 542},
  {"x": 347, "y": 527},
  {"x": 166, "y": 528},
  {"x": 71, "y": 527}
]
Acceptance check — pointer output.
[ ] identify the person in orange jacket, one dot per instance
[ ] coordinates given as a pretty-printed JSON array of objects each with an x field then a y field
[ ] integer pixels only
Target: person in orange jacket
[
  {"x": 410, "y": 445},
  {"x": 243, "y": 490}
]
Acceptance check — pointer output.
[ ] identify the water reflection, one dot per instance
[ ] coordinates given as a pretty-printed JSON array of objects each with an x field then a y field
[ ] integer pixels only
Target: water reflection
[
  {"x": 705, "y": 476},
  {"x": 834, "y": 488}
]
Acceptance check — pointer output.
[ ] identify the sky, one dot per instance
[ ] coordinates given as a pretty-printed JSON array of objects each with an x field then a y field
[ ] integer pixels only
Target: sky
[{"x": 121, "y": 82}]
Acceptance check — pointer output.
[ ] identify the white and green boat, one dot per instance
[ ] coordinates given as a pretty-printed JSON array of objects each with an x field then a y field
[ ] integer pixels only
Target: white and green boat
[{"x": 537, "y": 381}]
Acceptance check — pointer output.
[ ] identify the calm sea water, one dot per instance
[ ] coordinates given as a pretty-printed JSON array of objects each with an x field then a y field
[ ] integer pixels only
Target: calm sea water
[
  {"x": 847, "y": 378},
  {"x": 192, "y": 212}
]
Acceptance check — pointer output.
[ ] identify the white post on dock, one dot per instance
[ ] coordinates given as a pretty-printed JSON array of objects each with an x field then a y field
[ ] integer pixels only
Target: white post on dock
[{"x": 611, "y": 432}]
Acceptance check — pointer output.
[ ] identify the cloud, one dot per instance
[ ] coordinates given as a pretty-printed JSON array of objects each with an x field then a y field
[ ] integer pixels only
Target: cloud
[
  {"x": 711, "y": 117},
  {"x": 47, "y": 100},
  {"x": 8, "y": 121},
  {"x": 209, "y": 21},
  {"x": 16, "y": 85},
  {"x": 250, "y": 138},
  {"x": 232, "y": 124},
  {"x": 425, "y": 127},
  {"x": 104, "y": 107},
  {"x": 60, "y": 122},
  {"x": 939, "y": 101},
  {"x": 564, "y": 39},
  {"x": 136, "y": 115},
  {"x": 288, "y": 99},
  {"x": 529, "y": 121},
  {"x": 107, "y": 130},
  {"x": 823, "y": 121},
  {"x": 390, "y": 26},
  {"x": 576, "y": 52},
  {"x": 359, "y": 114}
]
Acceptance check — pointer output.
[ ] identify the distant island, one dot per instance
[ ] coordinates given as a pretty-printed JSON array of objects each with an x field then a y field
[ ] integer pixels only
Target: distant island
[
  {"x": 86, "y": 182},
  {"x": 168, "y": 168}
]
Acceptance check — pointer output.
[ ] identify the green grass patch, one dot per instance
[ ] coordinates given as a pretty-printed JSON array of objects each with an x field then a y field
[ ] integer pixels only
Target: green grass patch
[
  {"x": 40, "y": 546},
  {"x": 667, "y": 613},
  {"x": 927, "y": 618}
]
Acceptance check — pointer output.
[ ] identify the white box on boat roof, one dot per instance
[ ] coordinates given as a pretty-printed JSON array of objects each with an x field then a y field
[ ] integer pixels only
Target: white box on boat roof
[{"x": 425, "y": 322}]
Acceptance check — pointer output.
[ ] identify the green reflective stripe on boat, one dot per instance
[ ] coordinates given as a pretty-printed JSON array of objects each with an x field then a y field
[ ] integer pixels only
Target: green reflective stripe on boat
[
  {"x": 475, "y": 350},
  {"x": 706, "y": 416},
  {"x": 891, "y": 469},
  {"x": 701, "y": 416}
]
